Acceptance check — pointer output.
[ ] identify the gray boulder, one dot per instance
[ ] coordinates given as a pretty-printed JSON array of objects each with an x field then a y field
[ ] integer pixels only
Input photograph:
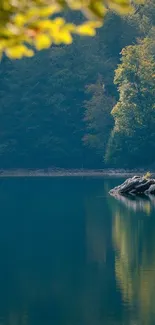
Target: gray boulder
[
  {"x": 151, "y": 189},
  {"x": 135, "y": 185}
]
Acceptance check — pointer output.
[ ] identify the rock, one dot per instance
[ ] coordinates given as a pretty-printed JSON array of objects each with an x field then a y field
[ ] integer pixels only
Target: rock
[
  {"x": 135, "y": 185},
  {"x": 129, "y": 187},
  {"x": 126, "y": 186},
  {"x": 141, "y": 188},
  {"x": 151, "y": 189}
]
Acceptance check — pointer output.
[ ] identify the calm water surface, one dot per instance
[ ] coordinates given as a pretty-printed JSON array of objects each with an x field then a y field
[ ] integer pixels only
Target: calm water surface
[{"x": 72, "y": 255}]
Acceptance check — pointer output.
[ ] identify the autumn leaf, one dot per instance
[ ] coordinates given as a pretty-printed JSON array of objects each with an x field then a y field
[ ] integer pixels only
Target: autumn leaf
[
  {"x": 18, "y": 51},
  {"x": 42, "y": 41},
  {"x": 31, "y": 22},
  {"x": 88, "y": 28}
]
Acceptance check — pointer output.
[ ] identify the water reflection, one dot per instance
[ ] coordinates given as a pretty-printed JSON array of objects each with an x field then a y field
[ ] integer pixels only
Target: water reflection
[
  {"x": 134, "y": 244},
  {"x": 144, "y": 203},
  {"x": 73, "y": 255}
]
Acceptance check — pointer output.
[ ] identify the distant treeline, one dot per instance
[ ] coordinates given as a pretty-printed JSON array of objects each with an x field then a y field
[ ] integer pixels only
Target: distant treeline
[{"x": 80, "y": 106}]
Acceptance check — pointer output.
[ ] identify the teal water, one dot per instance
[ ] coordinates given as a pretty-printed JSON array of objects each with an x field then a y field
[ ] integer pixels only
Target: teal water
[{"x": 70, "y": 254}]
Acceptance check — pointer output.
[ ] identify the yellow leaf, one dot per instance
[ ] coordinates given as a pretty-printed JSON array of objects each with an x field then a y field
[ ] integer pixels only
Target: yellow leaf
[
  {"x": 18, "y": 51},
  {"x": 45, "y": 24},
  {"x": 29, "y": 53},
  {"x": 59, "y": 21},
  {"x": 33, "y": 12},
  {"x": 20, "y": 20},
  {"x": 98, "y": 9},
  {"x": 88, "y": 28},
  {"x": 14, "y": 53},
  {"x": 66, "y": 37},
  {"x": 147, "y": 175},
  {"x": 3, "y": 44},
  {"x": 42, "y": 41},
  {"x": 42, "y": 11}
]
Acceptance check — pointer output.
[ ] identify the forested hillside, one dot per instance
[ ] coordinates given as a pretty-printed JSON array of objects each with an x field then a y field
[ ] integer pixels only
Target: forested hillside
[{"x": 56, "y": 107}]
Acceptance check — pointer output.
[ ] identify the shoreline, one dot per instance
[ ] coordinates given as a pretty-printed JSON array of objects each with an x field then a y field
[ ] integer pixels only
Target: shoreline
[{"x": 71, "y": 173}]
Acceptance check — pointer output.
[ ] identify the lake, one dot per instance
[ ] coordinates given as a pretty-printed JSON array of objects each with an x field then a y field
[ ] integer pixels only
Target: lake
[{"x": 73, "y": 255}]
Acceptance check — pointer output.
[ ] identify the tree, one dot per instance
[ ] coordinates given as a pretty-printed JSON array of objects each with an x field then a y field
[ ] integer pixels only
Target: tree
[
  {"x": 25, "y": 25},
  {"x": 143, "y": 18},
  {"x": 97, "y": 116},
  {"x": 132, "y": 139},
  {"x": 42, "y": 100},
  {"x": 102, "y": 94}
]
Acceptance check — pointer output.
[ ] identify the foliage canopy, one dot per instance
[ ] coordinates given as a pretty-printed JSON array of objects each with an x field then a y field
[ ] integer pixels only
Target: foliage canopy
[
  {"x": 134, "y": 113},
  {"x": 28, "y": 25}
]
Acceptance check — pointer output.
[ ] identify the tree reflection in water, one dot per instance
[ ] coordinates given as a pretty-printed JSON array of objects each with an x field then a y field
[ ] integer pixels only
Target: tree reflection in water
[
  {"x": 143, "y": 203},
  {"x": 75, "y": 256},
  {"x": 134, "y": 245}
]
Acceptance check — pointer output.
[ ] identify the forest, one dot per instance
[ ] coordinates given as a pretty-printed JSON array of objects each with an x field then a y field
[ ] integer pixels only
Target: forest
[{"x": 86, "y": 105}]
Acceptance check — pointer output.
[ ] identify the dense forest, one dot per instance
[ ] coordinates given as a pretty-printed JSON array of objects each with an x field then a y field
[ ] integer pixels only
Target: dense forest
[{"x": 87, "y": 105}]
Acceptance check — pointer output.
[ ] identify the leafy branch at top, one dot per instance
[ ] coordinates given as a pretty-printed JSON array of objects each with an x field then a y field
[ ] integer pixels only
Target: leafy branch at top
[{"x": 29, "y": 25}]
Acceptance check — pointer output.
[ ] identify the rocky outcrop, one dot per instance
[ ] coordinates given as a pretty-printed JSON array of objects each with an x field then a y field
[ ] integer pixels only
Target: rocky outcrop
[{"x": 135, "y": 185}]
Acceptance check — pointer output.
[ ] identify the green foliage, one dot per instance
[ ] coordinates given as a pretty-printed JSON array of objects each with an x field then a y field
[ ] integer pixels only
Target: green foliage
[
  {"x": 56, "y": 107},
  {"x": 97, "y": 116},
  {"x": 143, "y": 18},
  {"x": 131, "y": 142},
  {"x": 134, "y": 113},
  {"x": 42, "y": 100}
]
